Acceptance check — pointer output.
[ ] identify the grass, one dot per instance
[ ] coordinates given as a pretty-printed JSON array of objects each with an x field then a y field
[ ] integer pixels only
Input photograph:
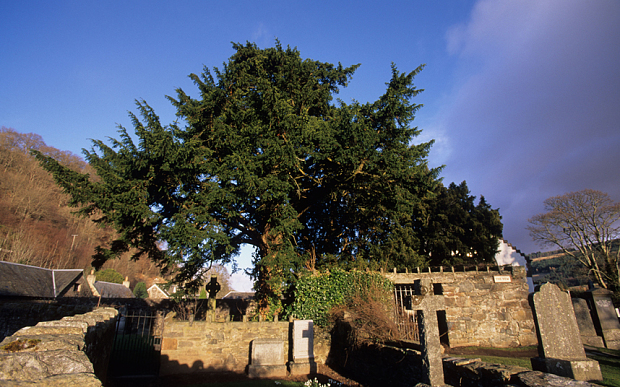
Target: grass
[
  {"x": 610, "y": 365},
  {"x": 513, "y": 361},
  {"x": 610, "y": 368}
]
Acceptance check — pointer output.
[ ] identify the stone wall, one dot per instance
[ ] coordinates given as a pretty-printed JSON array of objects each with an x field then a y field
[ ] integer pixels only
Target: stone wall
[
  {"x": 16, "y": 315},
  {"x": 74, "y": 350},
  {"x": 201, "y": 346},
  {"x": 483, "y": 308}
]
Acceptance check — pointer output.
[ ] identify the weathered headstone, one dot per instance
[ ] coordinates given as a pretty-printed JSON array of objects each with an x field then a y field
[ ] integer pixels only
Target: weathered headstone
[
  {"x": 303, "y": 348},
  {"x": 267, "y": 359},
  {"x": 560, "y": 348},
  {"x": 584, "y": 321},
  {"x": 426, "y": 304},
  {"x": 605, "y": 316}
]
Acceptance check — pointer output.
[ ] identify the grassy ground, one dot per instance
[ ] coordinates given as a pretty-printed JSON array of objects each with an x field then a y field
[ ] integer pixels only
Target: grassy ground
[{"x": 609, "y": 361}]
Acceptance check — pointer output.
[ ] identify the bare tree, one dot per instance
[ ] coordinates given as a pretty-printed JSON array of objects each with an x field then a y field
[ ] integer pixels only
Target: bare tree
[{"x": 584, "y": 225}]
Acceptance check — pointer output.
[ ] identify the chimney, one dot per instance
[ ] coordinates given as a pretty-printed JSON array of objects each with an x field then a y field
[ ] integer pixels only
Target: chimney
[
  {"x": 126, "y": 282},
  {"x": 91, "y": 278}
]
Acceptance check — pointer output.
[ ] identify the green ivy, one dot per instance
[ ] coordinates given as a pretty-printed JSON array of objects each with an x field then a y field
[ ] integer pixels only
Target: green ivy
[{"x": 317, "y": 293}]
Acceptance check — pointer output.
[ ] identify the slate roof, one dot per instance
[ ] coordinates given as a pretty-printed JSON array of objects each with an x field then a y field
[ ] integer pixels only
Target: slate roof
[
  {"x": 112, "y": 290},
  {"x": 239, "y": 296},
  {"x": 31, "y": 281}
]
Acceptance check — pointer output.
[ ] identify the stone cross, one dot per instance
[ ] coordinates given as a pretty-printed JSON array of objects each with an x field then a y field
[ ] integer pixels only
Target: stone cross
[
  {"x": 303, "y": 340},
  {"x": 212, "y": 288},
  {"x": 303, "y": 348},
  {"x": 427, "y": 304}
]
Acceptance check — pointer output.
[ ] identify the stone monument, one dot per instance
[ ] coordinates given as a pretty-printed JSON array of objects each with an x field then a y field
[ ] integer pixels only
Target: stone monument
[
  {"x": 303, "y": 348},
  {"x": 605, "y": 317},
  {"x": 212, "y": 288},
  {"x": 426, "y": 305},
  {"x": 560, "y": 349},
  {"x": 585, "y": 324},
  {"x": 267, "y": 359}
]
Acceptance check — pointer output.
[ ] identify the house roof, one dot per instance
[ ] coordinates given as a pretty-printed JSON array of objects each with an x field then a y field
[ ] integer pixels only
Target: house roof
[
  {"x": 156, "y": 288},
  {"x": 239, "y": 296},
  {"x": 112, "y": 290},
  {"x": 31, "y": 281}
]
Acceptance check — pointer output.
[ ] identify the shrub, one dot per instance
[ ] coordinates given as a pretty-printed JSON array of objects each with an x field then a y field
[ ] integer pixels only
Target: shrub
[
  {"x": 368, "y": 316},
  {"x": 140, "y": 290},
  {"x": 109, "y": 275}
]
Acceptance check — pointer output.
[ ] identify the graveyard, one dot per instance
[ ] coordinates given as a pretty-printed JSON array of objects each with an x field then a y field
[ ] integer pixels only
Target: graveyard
[{"x": 449, "y": 323}]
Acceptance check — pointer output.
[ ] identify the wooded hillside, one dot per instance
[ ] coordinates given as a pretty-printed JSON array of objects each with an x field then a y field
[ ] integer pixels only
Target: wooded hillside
[{"x": 36, "y": 224}]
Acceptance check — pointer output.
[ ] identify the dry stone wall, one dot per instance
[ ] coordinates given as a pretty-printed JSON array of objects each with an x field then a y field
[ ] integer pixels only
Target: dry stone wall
[
  {"x": 74, "y": 350},
  {"x": 16, "y": 315},
  {"x": 483, "y": 308}
]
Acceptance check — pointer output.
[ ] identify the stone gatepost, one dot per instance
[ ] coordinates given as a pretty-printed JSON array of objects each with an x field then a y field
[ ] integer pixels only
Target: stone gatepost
[{"x": 426, "y": 304}]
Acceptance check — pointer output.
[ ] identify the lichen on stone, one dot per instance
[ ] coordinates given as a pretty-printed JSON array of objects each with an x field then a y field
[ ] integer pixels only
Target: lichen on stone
[{"x": 20, "y": 345}]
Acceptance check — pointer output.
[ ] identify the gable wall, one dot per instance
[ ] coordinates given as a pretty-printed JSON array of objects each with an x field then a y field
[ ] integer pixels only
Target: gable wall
[{"x": 481, "y": 311}]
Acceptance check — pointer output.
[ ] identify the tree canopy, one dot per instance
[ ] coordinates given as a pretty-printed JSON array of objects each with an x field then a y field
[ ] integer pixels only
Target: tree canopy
[
  {"x": 457, "y": 231},
  {"x": 264, "y": 157},
  {"x": 583, "y": 225}
]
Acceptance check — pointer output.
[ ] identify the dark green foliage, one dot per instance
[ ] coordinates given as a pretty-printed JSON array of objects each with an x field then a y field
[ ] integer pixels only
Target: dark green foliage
[
  {"x": 109, "y": 275},
  {"x": 458, "y": 231},
  {"x": 140, "y": 290},
  {"x": 265, "y": 158},
  {"x": 317, "y": 293}
]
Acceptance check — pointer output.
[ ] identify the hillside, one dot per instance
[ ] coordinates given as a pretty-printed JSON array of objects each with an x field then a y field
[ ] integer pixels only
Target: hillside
[
  {"x": 559, "y": 268},
  {"x": 37, "y": 226}
]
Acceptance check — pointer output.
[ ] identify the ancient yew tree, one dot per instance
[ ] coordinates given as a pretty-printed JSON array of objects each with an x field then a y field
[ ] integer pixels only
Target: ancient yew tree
[
  {"x": 584, "y": 225},
  {"x": 263, "y": 157}
]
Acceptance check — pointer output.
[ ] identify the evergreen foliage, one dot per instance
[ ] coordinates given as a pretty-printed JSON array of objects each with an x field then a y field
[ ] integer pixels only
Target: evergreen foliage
[
  {"x": 140, "y": 290},
  {"x": 265, "y": 157},
  {"x": 458, "y": 231}
]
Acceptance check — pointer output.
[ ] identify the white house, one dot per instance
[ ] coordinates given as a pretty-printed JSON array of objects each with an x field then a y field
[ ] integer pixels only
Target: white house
[{"x": 509, "y": 255}]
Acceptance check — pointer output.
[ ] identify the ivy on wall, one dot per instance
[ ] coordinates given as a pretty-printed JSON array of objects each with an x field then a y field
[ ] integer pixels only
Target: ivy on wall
[{"x": 317, "y": 293}]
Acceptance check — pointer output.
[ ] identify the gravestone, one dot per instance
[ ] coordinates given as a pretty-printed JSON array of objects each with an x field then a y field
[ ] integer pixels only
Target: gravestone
[
  {"x": 303, "y": 348},
  {"x": 605, "y": 317},
  {"x": 426, "y": 304},
  {"x": 586, "y": 326},
  {"x": 560, "y": 349},
  {"x": 212, "y": 288},
  {"x": 267, "y": 359}
]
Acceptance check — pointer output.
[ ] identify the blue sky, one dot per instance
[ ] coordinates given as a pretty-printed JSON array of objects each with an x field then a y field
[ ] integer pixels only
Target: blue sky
[{"x": 522, "y": 97}]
